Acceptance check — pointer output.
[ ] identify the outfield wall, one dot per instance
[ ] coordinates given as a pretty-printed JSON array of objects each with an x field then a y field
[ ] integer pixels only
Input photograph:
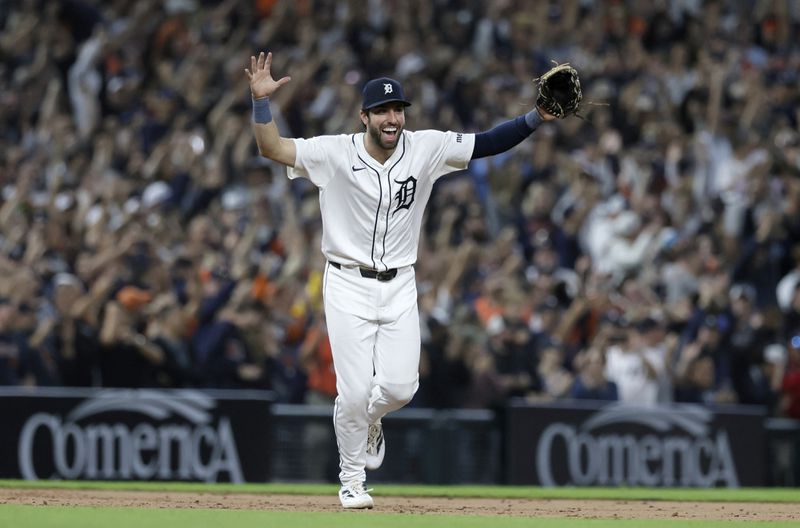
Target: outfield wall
[
  {"x": 677, "y": 445},
  {"x": 243, "y": 436},
  {"x": 136, "y": 434}
]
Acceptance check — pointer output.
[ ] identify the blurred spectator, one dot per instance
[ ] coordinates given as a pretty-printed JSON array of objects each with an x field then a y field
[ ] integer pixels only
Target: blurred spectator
[
  {"x": 488, "y": 388},
  {"x": 515, "y": 357},
  {"x": 555, "y": 379},
  {"x": 444, "y": 370},
  {"x": 698, "y": 384},
  {"x": 127, "y": 357},
  {"x": 14, "y": 351},
  {"x": 790, "y": 324},
  {"x": 750, "y": 337},
  {"x": 316, "y": 360},
  {"x": 545, "y": 324},
  {"x": 166, "y": 328},
  {"x": 67, "y": 336},
  {"x": 635, "y": 365},
  {"x": 700, "y": 359},
  {"x": 790, "y": 386},
  {"x": 591, "y": 382}
]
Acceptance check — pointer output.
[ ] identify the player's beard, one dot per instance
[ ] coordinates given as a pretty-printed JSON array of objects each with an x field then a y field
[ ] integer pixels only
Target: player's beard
[{"x": 376, "y": 136}]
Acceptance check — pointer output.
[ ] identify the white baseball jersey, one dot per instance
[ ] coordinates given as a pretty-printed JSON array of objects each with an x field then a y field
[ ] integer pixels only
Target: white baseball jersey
[{"x": 371, "y": 212}]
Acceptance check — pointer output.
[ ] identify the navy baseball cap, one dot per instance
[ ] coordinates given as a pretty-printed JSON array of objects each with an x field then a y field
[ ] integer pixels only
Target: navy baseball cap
[{"x": 381, "y": 91}]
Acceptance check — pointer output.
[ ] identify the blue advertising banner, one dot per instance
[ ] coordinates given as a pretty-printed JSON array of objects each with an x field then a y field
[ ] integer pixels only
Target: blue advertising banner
[
  {"x": 681, "y": 445},
  {"x": 137, "y": 434}
]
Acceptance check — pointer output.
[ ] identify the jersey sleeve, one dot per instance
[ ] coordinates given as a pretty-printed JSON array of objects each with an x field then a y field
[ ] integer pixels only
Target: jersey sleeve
[
  {"x": 312, "y": 159},
  {"x": 452, "y": 151}
]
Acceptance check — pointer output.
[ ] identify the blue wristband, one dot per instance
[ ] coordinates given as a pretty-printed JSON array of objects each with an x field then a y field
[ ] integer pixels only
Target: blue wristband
[
  {"x": 533, "y": 119},
  {"x": 261, "y": 112}
]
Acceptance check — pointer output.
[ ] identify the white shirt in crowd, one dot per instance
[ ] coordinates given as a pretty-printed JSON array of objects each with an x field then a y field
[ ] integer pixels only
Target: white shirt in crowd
[{"x": 627, "y": 370}]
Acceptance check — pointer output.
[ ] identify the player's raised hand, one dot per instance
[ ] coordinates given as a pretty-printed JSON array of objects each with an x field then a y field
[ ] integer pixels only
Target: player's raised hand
[{"x": 261, "y": 82}]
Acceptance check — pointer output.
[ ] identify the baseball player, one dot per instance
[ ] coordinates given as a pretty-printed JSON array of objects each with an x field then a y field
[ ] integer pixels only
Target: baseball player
[{"x": 373, "y": 188}]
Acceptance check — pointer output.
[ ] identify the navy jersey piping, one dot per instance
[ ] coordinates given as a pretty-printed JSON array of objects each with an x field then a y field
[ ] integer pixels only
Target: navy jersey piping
[
  {"x": 380, "y": 199},
  {"x": 389, "y": 182}
]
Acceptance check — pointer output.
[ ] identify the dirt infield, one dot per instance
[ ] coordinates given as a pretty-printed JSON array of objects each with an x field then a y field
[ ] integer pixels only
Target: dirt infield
[{"x": 587, "y": 509}]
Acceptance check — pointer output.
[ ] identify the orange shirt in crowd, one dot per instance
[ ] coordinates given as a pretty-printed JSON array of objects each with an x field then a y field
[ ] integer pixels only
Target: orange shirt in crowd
[{"x": 321, "y": 376}]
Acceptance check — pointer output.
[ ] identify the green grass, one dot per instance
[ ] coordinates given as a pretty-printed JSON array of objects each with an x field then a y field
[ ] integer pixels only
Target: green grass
[
  {"x": 37, "y": 517},
  {"x": 510, "y": 492},
  {"x": 19, "y": 516}
]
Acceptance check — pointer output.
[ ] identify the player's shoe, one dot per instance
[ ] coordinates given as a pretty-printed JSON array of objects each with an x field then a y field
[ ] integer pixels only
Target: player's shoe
[
  {"x": 355, "y": 495},
  {"x": 376, "y": 445}
]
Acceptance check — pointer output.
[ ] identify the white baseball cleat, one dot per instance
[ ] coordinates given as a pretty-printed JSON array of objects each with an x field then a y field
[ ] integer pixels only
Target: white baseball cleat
[
  {"x": 355, "y": 495},
  {"x": 376, "y": 445}
]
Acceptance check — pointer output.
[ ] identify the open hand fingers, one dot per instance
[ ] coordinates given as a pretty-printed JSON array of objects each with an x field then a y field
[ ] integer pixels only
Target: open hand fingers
[{"x": 262, "y": 63}]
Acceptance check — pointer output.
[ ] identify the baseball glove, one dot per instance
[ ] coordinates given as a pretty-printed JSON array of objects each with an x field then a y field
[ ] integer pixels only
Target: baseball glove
[{"x": 560, "y": 91}]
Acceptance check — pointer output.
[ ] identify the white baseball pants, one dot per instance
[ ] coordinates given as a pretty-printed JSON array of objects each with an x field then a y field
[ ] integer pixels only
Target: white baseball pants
[{"x": 374, "y": 332}]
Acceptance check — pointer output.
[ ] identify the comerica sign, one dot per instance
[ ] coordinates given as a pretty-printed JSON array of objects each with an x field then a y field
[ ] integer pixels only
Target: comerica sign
[
  {"x": 114, "y": 451},
  {"x": 687, "y": 446},
  {"x": 142, "y": 435},
  {"x": 686, "y": 460}
]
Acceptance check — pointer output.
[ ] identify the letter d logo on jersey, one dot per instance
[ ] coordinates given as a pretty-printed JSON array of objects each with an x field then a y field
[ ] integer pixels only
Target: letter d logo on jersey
[
  {"x": 405, "y": 195},
  {"x": 387, "y": 88}
]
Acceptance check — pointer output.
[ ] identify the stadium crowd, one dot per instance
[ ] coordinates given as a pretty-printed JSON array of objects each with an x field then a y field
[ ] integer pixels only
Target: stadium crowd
[{"x": 649, "y": 252}]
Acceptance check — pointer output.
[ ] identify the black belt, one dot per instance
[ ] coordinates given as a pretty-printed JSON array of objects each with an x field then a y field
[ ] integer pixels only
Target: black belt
[{"x": 368, "y": 273}]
